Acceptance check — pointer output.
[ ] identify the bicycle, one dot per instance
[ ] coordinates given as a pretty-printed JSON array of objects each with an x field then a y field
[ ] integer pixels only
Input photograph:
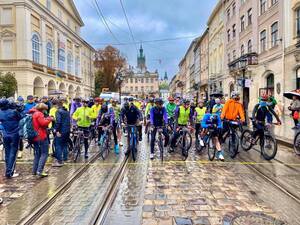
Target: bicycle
[
  {"x": 133, "y": 140},
  {"x": 93, "y": 133},
  {"x": 233, "y": 143},
  {"x": 266, "y": 142},
  {"x": 297, "y": 143},
  {"x": 210, "y": 145},
  {"x": 79, "y": 142},
  {"x": 184, "y": 141},
  {"x": 105, "y": 141},
  {"x": 159, "y": 142}
]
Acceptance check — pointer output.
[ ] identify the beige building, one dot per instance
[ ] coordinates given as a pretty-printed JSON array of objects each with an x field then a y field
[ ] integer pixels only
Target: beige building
[
  {"x": 204, "y": 57},
  {"x": 216, "y": 34},
  {"x": 40, "y": 42},
  {"x": 140, "y": 82}
]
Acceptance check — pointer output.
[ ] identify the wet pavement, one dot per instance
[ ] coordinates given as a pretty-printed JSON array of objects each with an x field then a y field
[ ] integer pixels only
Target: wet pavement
[{"x": 155, "y": 192}]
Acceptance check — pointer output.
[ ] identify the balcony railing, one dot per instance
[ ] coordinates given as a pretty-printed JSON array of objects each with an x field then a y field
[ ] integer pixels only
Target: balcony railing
[{"x": 249, "y": 59}]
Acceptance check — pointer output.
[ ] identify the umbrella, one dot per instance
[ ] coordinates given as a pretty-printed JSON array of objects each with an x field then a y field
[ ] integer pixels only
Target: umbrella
[
  {"x": 290, "y": 94},
  {"x": 55, "y": 92},
  {"x": 216, "y": 95}
]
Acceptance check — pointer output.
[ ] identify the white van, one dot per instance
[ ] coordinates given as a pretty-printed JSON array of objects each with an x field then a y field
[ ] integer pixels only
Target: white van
[{"x": 110, "y": 95}]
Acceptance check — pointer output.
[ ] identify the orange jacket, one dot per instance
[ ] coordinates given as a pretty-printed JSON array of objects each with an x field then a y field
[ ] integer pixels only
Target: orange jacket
[{"x": 232, "y": 109}]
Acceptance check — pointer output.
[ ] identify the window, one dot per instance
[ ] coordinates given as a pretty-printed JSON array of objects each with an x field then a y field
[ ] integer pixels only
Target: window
[
  {"x": 228, "y": 35},
  {"x": 7, "y": 49},
  {"x": 77, "y": 62},
  {"x": 263, "y": 41},
  {"x": 233, "y": 8},
  {"x": 131, "y": 88},
  {"x": 263, "y": 6},
  {"x": 273, "y": 2},
  {"x": 6, "y": 17},
  {"x": 61, "y": 59},
  {"x": 36, "y": 49},
  {"x": 249, "y": 17},
  {"x": 142, "y": 80},
  {"x": 49, "y": 4},
  {"x": 136, "y": 88},
  {"x": 49, "y": 55},
  {"x": 298, "y": 78},
  {"x": 242, "y": 50},
  {"x": 228, "y": 57},
  {"x": 298, "y": 21},
  {"x": 233, "y": 55},
  {"x": 228, "y": 14},
  {"x": 274, "y": 34},
  {"x": 270, "y": 82},
  {"x": 131, "y": 80},
  {"x": 147, "y": 80},
  {"x": 136, "y": 80},
  {"x": 242, "y": 23},
  {"x": 233, "y": 31},
  {"x": 152, "y": 80},
  {"x": 249, "y": 46},
  {"x": 70, "y": 63}
]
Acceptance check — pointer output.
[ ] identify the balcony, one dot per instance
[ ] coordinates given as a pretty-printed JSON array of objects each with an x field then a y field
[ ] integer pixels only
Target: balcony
[{"x": 249, "y": 59}]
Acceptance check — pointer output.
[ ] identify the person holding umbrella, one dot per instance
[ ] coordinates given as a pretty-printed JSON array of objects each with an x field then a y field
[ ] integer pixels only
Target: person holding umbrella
[{"x": 294, "y": 106}]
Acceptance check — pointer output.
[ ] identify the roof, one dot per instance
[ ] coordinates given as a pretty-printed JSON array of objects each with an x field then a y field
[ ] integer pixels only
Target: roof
[
  {"x": 214, "y": 12},
  {"x": 78, "y": 17}
]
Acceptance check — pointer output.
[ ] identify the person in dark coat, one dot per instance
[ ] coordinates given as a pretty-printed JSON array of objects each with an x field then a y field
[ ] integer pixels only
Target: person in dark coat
[
  {"x": 9, "y": 119},
  {"x": 62, "y": 129}
]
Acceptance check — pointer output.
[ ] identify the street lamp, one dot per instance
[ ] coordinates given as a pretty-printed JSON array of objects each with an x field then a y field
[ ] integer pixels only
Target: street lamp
[
  {"x": 243, "y": 66},
  {"x": 120, "y": 79}
]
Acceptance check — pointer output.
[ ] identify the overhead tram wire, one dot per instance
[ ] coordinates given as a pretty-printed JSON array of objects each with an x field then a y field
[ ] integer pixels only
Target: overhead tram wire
[
  {"x": 100, "y": 14},
  {"x": 127, "y": 21}
]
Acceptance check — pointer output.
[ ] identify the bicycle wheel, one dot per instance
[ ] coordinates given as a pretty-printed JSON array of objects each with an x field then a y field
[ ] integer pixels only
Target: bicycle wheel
[
  {"x": 233, "y": 145},
  {"x": 103, "y": 147},
  {"x": 161, "y": 149},
  {"x": 268, "y": 147},
  {"x": 133, "y": 151},
  {"x": 77, "y": 149},
  {"x": 246, "y": 140},
  {"x": 297, "y": 144},
  {"x": 211, "y": 150}
]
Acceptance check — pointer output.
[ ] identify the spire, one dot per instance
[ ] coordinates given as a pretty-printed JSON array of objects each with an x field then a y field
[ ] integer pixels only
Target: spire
[
  {"x": 166, "y": 76},
  {"x": 141, "y": 51}
]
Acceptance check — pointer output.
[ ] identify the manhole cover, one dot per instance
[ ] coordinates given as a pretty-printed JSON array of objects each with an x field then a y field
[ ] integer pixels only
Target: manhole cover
[{"x": 246, "y": 218}]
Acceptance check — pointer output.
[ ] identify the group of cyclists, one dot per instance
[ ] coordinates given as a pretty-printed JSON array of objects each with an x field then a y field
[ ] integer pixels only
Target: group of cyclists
[{"x": 62, "y": 117}]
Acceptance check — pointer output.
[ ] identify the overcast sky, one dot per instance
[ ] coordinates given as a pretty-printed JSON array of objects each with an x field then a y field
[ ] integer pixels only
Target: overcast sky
[{"x": 149, "y": 20}]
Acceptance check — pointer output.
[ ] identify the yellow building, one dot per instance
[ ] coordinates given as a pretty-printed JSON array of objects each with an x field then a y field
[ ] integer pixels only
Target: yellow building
[{"x": 40, "y": 42}]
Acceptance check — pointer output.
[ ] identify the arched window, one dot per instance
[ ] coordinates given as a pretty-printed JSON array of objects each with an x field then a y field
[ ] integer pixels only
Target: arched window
[
  {"x": 242, "y": 50},
  {"x": 298, "y": 78},
  {"x": 249, "y": 46},
  {"x": 77, "y": 66},
  {"x": 49, "y": 55},
  {"x": 70, "y": 63},
  {"x": 36, "y": 48},
  {"x": 270, "y": 84}
]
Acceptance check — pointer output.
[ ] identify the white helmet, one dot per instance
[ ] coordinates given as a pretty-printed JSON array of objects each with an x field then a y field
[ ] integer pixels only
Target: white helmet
[{"x": 235, "y": 94}]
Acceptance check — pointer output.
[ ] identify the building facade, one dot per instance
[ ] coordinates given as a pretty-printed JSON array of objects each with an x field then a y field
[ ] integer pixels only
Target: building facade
[
  {"x": 216, "y": 36},
  {"x": 140, "y": 82},
  {"x": 41, "y": 44}
]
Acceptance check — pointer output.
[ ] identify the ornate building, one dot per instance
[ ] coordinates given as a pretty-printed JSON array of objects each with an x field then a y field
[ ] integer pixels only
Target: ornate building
[
  {"x": 40, "y": 42},
  {"x": 140, "y": 82}
]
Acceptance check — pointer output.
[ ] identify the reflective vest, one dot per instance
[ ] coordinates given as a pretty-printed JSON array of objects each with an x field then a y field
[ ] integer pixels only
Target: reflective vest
[
  {"x": 184, "y": 115},
  {"x": 200, "y": 114}
]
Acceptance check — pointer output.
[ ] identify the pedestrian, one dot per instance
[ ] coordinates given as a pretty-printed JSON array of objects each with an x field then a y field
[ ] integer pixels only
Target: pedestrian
[
  {"x": 295, "y": 108},
  {"x": 62, "y": 129},
  {"x": 29, "y": 104},
  {"x": 9, "y": 119},
  {"x": 46, "y": 101},
  {"x": 40, "y": 142},
  {"x": 20, "y": 109}
]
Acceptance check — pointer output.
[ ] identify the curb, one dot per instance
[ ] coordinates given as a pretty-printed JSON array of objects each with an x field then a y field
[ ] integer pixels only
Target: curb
[{"x": 283, "y": 142}]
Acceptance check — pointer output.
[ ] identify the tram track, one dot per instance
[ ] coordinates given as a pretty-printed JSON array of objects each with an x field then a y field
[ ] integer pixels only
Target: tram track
[
  {"x": 47, "y": 203},
  {"x": 104, "y": 206}
]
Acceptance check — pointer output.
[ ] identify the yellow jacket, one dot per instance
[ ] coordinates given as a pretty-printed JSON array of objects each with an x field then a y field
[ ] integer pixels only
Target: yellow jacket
[{"x": 96, "y": 109}]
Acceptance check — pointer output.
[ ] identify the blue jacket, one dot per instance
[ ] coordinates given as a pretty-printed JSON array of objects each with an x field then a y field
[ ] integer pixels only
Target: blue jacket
[
  {"x": 28, "y": 106},
  {"x": 158, "y": 117},
  {"x": 208, "y": 121},
  {"x": 132, "y": 115},
  {"x": 9, "y": 119},
  {"x": 63, "y": 121}
]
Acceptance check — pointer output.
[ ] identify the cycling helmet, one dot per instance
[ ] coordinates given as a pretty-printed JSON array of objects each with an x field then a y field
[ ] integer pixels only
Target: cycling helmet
[
  {"x": 77, "y": 99},
  {"x": 11, "y": 103},
  {"x": 186, "y": 101},
  {"x": 235, "y": 94},
  {"x": 125, "y": 99},
  {"x": 29, "y": 97},
  {"x": 170, "y": 99},
  {"x": 20, "y": 99},
  {"x": 3, "y": 103},
  {"x": 159, "y": 101},
  {"x": 151, "y": 100},
  {"x": 130, "y": 99},
  {"x": 97, "y": 99},
  {"x": 85, "y": 100},
  {"x": 126, "y": 105}
]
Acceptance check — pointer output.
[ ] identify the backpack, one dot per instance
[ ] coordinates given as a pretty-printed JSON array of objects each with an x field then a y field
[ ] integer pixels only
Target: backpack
[{"x": 26, "y": 128}]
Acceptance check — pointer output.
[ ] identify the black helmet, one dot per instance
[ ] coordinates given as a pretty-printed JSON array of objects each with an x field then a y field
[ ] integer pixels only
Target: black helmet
[
  {"x": 3, "y": 103},
  {"x": 130, "y": 99},
  {"x": 159, "y": 101},
  {"x": 104, "y": 108},
  {"x": 186, "y": 101},
  {"x": 126, "y": 105}
]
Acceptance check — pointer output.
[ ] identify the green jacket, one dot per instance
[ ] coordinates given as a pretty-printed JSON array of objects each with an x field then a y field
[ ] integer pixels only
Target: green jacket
[
  {"x": 148, "y": 108},
  {"x": 83, "y": 116},
  {"x": 117, "y": 111},
  {"x": 171, "y": 107}
]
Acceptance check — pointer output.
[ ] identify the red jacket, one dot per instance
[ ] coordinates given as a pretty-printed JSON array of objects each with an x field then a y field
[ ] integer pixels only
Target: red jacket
[{"x": 40, "y": 124}]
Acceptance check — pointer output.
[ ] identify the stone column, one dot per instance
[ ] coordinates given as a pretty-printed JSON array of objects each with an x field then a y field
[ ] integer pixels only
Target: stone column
[
  {"x": 43, "y": 41},
  {"x": 55, "y": 46}
]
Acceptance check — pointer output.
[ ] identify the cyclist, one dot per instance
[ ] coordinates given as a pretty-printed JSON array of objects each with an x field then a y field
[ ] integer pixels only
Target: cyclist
[
  {"x": 158, "y": 118},
  {"x": 138, "y": 104},
  {"x": 116, "y": 130},
  {"x": 213, "y": 121},
  {"x": 84, "y": 116},
  {"x": 131, "y": 116},
  {"x": 76, "y": 103},
  {"x": 199, "y": 113},
  {"x": 97, "y": 106},
  {"x": 183, "y": 117},
  {"x": 217, "y": 108},
  {"x": 147, "y": 114},
  {"x": 233, "y": 111},
  {"x": 171, "y": 107},
  {"x": 259, "y": 115}
]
